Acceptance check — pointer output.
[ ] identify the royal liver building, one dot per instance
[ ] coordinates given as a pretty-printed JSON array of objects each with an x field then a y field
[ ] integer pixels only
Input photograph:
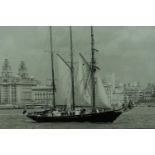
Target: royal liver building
[{"x": 16, "y": 90}]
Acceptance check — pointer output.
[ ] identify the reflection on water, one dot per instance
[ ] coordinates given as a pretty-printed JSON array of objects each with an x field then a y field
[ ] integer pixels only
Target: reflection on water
[{"x": 139, "y": 117}]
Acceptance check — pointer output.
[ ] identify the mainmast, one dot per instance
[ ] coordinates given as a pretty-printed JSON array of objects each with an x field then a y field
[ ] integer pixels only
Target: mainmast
[
  {"x": 52, "y": 67},
  {"x": 93, "y": 68},
  {"x": 72, "y": 68}
]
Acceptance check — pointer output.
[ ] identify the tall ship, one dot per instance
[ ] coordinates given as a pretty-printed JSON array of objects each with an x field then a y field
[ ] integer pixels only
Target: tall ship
[{"x": 83, "y": 96}]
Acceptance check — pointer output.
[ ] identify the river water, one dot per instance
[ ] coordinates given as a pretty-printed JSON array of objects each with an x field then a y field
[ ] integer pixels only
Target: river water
[{"x": 137, "y": 118}]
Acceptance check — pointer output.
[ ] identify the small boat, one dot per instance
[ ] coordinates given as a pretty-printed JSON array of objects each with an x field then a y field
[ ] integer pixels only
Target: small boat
[{"x": 89, "y": 88}]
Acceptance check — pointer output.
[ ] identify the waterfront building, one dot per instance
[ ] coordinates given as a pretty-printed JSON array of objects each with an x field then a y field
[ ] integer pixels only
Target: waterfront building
[
  {"x": 42, "y": 95},
  {"x": 149, "y": 93},
  {"x": 133, "y": 91},
  {"x": 15, "y": 90}
]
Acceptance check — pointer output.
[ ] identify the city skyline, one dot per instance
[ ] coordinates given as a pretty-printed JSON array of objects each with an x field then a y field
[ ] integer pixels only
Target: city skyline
[{"x": 126, "y": 51}]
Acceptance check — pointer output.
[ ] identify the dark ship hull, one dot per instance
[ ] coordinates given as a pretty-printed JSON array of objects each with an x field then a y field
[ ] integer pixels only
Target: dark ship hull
[{"x": 106, "y": 117}]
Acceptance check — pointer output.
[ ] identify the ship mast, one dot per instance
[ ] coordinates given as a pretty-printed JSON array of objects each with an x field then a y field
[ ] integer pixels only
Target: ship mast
[
  {"x": 93, "y": 69},
  {"x": 72, "y": 68},
  {"x": 52, "y": 67}
]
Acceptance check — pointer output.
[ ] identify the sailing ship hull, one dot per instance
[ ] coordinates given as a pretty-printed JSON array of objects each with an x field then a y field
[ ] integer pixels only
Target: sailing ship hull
[{"x": 106, "y": 117}]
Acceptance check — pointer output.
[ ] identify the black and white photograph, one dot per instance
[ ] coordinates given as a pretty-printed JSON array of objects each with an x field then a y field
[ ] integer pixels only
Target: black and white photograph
[{"x": 77, "y": 77}]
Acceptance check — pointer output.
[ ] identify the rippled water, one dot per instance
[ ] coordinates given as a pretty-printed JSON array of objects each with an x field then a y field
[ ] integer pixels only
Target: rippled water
[{"x": 137, "y": 118}]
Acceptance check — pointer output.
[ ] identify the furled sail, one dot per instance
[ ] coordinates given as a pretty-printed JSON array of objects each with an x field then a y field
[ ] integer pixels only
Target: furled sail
[
  {"x": 64, "y": 83},
  {"x": 84, "y": 81},
  {"x": 101, "y": 95}
]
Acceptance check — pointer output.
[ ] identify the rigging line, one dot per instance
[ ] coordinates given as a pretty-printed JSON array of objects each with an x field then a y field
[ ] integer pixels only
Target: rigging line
[
  {"x": 85, "y": 60},
  {"x": 63, "y": 60}
]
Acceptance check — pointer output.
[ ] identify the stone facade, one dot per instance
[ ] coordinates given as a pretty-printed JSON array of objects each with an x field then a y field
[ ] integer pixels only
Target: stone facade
[
  {"x": 42, "y": 95},
  {"x": 133, "y": 91},
  {"x": 15, "y": 90}
]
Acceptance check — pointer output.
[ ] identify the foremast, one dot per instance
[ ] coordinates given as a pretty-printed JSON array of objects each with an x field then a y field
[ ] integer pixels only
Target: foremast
[{"x": 52, "y": 67}]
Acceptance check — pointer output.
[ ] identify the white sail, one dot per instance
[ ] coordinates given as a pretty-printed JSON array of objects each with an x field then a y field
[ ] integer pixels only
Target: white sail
[
  {"x": 85, "y": 89},
  {"x": 84, "y": 82},
  {"x": 117, "y": 98},
  {"x": 64, "y": 83},
  {"x": 101, "y": 95}
]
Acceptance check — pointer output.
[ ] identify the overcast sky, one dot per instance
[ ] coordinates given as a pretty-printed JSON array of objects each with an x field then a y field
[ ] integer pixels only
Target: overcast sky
[{"x": 129, "y": 52}]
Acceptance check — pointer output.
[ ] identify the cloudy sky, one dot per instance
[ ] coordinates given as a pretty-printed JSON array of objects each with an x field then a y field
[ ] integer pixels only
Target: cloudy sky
[{"x": 129, "y": 52}]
